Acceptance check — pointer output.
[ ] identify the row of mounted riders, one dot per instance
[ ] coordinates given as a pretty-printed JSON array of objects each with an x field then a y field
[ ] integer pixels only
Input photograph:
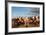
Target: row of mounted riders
[{"x": 32, "y": 20}]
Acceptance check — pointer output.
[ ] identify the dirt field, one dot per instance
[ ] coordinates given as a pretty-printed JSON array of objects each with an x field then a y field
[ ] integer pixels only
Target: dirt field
[{"x": 25, "y": 26}]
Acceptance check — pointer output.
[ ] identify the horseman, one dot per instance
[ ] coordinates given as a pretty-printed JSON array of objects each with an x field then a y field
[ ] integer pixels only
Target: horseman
[{"x": 26, "y": 21}]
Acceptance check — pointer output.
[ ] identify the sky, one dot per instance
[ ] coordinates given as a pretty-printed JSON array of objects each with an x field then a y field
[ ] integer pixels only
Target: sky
[{"x": 25, "y": 11}]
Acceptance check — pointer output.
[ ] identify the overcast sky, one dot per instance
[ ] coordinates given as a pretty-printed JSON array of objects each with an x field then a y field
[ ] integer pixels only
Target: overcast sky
[{"x": 25, "y": 11}]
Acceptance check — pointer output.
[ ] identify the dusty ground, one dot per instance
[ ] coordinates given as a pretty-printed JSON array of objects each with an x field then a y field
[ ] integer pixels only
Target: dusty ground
[{"x": 25, "y": 26}]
